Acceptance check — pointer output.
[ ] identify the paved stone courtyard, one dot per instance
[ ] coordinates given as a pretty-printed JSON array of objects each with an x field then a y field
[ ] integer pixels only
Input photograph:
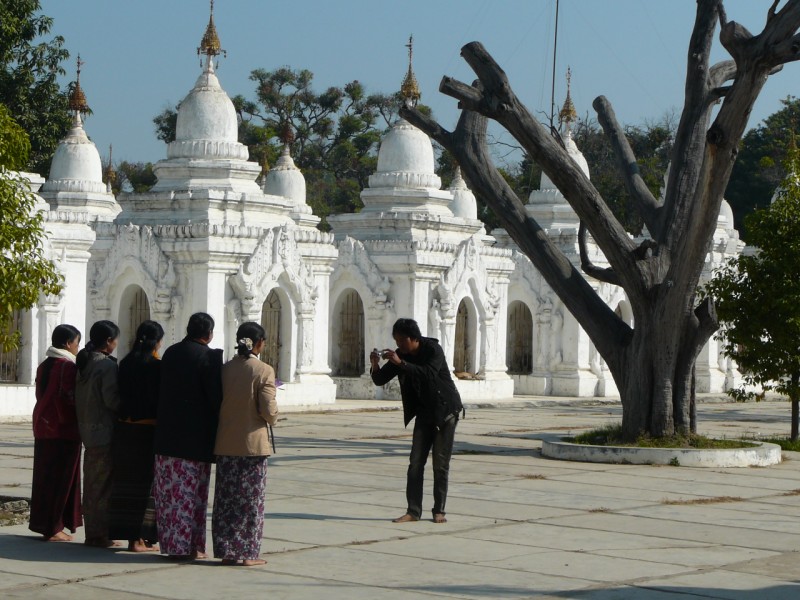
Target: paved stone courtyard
[{"x": 520, "y": 526}]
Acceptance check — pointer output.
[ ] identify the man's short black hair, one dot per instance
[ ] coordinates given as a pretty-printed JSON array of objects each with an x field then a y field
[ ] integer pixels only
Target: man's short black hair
[
  {"x": 201, "y": 326},
  {"x": 408, "y": 328}
]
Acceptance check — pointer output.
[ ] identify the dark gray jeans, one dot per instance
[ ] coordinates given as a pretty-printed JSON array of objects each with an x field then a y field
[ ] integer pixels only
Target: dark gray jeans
[{"x": 427, "y": 436}]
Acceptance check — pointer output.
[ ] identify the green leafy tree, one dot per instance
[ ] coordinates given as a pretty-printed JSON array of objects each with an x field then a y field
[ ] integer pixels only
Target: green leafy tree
[
  {"x": 24, "y": 271},
  {"x": 134, "y": 177},
  {"x": 29, "y": 69},
  {"x": 758, "y": 297},
  {"x": 760, "y": 164}
]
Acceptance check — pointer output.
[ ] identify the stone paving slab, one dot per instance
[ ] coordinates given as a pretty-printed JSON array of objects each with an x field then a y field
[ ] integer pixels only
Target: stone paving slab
[
  {"x": 729, "y": 585},
  {"x": 520, "y": 525}
]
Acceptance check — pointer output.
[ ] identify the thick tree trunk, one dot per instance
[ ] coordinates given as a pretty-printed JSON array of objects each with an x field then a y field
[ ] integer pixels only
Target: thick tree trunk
[{"x": 656, "y": 377}]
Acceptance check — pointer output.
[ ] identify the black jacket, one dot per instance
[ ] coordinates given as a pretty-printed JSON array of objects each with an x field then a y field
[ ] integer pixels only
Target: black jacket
[
  {"x": 139, "y": 383},
  {"x": 189, "y": 398},
  {"x": 426, "y": 386}
]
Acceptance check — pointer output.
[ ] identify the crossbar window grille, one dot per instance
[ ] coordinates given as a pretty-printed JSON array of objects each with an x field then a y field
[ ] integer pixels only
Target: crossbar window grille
[
  {"x": 351, "y": 335},
  {"x": 271, "y": 322},
  {"x": 9, "y": 360},
  {"x": 462, "y": 343},
  {"x": 519, "y": 340}
]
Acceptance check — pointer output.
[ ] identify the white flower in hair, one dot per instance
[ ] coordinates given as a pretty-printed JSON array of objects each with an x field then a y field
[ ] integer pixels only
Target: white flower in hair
[{"x": 247, "y": 343}]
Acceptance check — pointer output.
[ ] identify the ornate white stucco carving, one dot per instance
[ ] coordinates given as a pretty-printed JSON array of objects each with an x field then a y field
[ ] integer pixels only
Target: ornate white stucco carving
[
  {"x": 354, "y": 258},
  {"x": 275, "y": 258},
  {"x": 468, "y": 265},
  {"x": 138, "y": 246}
]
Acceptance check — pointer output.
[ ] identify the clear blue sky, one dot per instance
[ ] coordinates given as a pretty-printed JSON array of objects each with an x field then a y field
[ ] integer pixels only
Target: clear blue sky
[{"x": 141, "y": 56}]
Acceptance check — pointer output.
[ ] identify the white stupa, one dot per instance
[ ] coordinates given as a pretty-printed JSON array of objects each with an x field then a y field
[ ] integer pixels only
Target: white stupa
[
  {"x": 285, "y": 179},
  {"x": 76, "y": 172},
  {"x": 547, "y": 205},
  {"x": 206, "y": 151},
  {"x": 464, "y": 204},
  {"x": 405, "y": 179}
]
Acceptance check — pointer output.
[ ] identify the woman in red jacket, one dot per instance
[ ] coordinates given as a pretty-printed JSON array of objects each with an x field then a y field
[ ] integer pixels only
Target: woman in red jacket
[{"x": 56, "y": 490}]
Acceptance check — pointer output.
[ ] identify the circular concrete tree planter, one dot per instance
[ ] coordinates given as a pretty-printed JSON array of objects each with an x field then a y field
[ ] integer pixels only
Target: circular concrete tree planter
[{"x": 762, "y": 455}]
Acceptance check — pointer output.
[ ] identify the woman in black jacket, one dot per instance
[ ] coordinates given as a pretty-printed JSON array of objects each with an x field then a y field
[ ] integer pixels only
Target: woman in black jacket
[
  {"x": 430, "y": 395},
  {"x": 131, "y": 512},
  {"x": 190, "y": 394}
]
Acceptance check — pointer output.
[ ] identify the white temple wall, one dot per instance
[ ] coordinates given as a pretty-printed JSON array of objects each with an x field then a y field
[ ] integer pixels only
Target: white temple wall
[
  {"x": 217, "y": 298},
  {"x": 30, "y": 345},
  {"x": 418, "y": 301},
  {"x": 75, "y": 300},
  {"x": 316, "y": 318}
]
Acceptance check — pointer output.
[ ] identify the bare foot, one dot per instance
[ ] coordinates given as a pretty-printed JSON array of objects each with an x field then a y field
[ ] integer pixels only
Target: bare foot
[
  {"x": 254, "y": 562},
  {"x": 59, "y": 537},
  {"x": 439, "y": 518},
  {"x": 197, "y": 554},
  {"x": 229, "y": 562},
  {"x": 141, "y": 546},
  {"x": 406, "y": 518},
  {"x": 101, "y": 542}
]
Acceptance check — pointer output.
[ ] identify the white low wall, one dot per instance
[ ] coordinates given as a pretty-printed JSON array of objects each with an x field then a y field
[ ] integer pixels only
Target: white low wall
[{"x": 16, "y": 402}]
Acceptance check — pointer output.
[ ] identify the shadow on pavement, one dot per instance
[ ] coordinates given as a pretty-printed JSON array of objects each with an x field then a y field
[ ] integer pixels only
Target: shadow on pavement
[{"x": 30, "y": 548}]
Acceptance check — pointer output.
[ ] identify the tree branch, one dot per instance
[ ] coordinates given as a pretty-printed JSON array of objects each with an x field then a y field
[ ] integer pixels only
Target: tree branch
[
  {"x": 646, "y": 203},
  {"x": 707, "y": 321},
  {"x": 587, "y": 266},
  {"x": 468, "y": 145},
  {"x": 500, "y": 103},
  {"x": 690, "y": 137},
  {"x": 756, "y": 58},
  {"x": 467, "y": 95},
  {"x": 721, "y": 72}
]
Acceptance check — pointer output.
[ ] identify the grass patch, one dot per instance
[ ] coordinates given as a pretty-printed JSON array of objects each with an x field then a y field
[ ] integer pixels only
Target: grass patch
[
  {"x": 791, "y": 493},
  {"x": 784, "y": 443},
  {"x": 602, "y": 509},
  {"x": 715, "y": 500},
  {"x": 473, "y": 452},
  {"x": 533, "y": 476},
  {"x": 611, "y": 435}
]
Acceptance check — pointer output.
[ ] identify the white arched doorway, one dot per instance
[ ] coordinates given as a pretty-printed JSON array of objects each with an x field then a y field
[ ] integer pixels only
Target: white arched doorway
[
  {"x": 465, "y": 338},
  {"x": 134, "y": 307},
  {"x": 519, "y": 339},
  {"x": 271, "y": 322},
  {"x": 347, "y": 352}
]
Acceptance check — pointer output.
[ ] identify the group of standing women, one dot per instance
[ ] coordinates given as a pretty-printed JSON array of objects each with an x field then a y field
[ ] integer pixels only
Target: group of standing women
[{"x": 151, "y": 429}]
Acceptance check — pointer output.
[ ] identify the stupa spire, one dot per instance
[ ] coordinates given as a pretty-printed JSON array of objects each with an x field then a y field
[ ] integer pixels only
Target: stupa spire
[
  {"x": 410, "y": 88},
  {"x": 568, "y": 114},
  {"x": 77, "y": 99},
  {"x": 210, "y": 46}
]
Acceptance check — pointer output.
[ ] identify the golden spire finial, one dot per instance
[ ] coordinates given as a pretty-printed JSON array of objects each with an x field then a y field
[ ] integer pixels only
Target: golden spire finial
[
  {"x": 77, "y": 99},
  {"x": 568, "y": 114},
  {"x": 410, "y": 88},
  {"x": 210, "y": 44}
]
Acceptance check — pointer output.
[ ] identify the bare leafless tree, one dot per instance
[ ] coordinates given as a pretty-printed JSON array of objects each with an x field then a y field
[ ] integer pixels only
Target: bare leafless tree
[{"x": 652, "y": 362}]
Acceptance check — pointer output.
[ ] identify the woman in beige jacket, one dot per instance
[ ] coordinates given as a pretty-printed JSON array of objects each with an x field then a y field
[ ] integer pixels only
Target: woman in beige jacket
[{"x": 242, "y": 448}]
